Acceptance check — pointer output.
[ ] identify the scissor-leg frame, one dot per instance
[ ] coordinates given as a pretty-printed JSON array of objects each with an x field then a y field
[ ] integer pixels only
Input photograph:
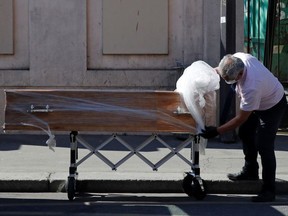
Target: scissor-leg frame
[{"x": 190, "y": 182}]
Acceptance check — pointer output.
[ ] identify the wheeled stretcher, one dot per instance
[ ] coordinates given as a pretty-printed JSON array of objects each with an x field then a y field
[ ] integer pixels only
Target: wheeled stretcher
[{"x": 111, "y": 112}]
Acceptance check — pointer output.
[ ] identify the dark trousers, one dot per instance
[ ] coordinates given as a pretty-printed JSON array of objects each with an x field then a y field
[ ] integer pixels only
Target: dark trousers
[{"x": 258, "y": 135}]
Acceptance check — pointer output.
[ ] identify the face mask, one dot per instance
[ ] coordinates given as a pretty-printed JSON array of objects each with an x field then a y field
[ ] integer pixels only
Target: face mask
[{"x": 230, "y": 82}]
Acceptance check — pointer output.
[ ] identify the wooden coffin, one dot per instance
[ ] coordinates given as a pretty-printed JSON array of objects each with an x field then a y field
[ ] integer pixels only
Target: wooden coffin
[{"x": 97, "y": 110}]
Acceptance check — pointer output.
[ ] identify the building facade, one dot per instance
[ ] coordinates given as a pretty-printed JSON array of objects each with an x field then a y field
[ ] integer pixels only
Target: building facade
[{"x": 133, "y": 44}]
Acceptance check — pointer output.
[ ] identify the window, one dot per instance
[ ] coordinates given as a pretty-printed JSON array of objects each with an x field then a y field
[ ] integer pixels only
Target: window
[
  {"x": 135, "y": 27},
  {"x": 6, "y": 27}
]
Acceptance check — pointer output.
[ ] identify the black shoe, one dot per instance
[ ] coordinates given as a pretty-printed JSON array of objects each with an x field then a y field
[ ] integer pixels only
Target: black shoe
[
  {"x": 243, "y": 175},
  {"x": 266, "y": 196}
]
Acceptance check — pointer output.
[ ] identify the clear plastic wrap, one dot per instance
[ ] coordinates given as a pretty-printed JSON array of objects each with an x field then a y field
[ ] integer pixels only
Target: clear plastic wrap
[
  {"x": 97, "y": 111},
  {"x": 197, "y": 86},
  {"x": 116, "y": 111}
]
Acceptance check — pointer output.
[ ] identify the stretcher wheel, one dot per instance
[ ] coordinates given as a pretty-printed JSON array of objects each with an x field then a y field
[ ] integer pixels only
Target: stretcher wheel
[
  {"x": 71, "y": 188},
  {"x": 194, "y": 186}
]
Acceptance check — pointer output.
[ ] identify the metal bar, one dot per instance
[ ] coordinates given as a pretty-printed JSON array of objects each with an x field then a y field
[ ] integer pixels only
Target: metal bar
[
  {"x": 184, "y": 159},
  {"x": 96, "y": 152},
  {"x": 164, "y": 143},
  {"x": 173, "y": 152},
  {"x": 124, "y": 143},
  {"x": 84, "y": 158},
  {"x": 248, "y": 27},
  {"x": 105, "y": 142},
  {"x": 148, "y": 162},
  {"x": 85, "y": 144},
  {"x": 124, "y": 159},
  {"x": 195, "y": 166},
  {"x": 146, "y": 142},
  {"x": 258, "y": 33},
  {"x": 73, "y": 153},
  {"x": 105, "y": 160},
  {"x": 184, "y": 144},
  {"x": 164, "y": 159},
  {"x": 270, "y": 32}
]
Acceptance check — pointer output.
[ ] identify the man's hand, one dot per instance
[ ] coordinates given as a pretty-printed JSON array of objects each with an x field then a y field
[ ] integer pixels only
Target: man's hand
[{"x": 209, "y": 132}]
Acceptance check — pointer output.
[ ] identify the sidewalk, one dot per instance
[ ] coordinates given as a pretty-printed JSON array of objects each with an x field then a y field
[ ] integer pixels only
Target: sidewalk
[{"x": 27, "y": 165}]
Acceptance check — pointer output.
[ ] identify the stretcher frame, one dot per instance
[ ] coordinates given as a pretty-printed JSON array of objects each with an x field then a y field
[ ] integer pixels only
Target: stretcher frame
[{"x": 25, "y": 108}]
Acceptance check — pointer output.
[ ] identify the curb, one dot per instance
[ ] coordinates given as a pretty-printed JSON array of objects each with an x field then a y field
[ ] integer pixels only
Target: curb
[{"x": 136, "y": 186}]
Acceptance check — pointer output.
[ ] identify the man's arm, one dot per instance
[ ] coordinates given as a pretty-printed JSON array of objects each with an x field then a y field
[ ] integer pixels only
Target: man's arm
[{"x": 239, "y": 119}]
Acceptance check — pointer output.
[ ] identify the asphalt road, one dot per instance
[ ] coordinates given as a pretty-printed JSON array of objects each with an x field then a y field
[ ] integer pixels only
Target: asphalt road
[{"x": 14, "y": 204}]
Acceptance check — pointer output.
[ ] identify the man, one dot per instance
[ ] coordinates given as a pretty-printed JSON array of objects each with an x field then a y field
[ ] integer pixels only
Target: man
[{"x": 262, "y": 105}]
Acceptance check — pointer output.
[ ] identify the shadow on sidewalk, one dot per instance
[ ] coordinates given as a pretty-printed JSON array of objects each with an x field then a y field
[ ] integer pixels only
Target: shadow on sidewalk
[{"x": 10, "y": 142}]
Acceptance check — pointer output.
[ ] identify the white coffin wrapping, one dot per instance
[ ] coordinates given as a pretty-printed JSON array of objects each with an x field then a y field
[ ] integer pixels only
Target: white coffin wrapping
[{"x": 198, "y": 86}]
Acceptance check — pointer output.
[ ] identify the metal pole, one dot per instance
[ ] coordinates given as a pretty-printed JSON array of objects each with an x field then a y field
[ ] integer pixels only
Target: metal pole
[
  {"x": 228, "y": 46},
  {"x": 271, "y": 14}
]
